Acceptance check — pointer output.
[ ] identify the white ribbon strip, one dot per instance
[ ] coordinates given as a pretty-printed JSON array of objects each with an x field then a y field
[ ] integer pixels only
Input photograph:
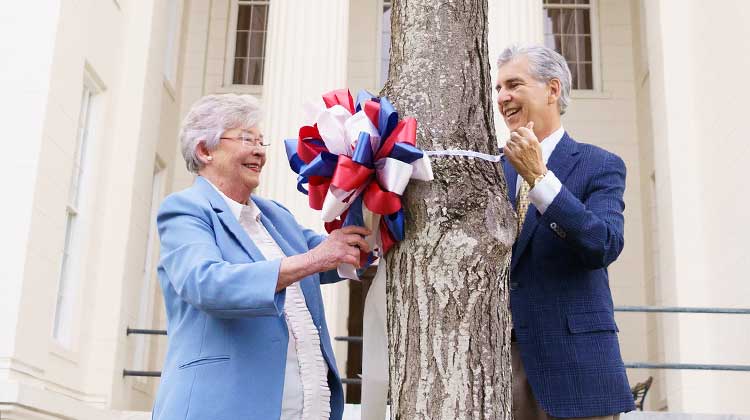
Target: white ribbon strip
[
  {"x": 332, "y": 130},
  {"x": 393, "y": 175},
  {"x": 375, "y": 375},
  {"x": 347, "y": 271},
  {"x": 422, "y": 169},
  {"x": 358, "y": 123},
  {"x": 334, "y": 203},
  {"x": 464, "y": 153}
]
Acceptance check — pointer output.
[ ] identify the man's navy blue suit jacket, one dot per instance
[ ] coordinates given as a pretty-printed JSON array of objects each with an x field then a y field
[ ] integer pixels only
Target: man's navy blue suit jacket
[{"x": 560, "y": 297}]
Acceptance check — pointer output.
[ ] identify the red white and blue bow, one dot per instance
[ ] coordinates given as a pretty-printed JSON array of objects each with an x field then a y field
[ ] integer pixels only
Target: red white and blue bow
[{"x": 357, "y": 162}]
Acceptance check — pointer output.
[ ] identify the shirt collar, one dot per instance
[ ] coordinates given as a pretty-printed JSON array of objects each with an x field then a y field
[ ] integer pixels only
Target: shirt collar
[
  {"x": 550, "y": 142},
  {"x": 235, "y": 207}
]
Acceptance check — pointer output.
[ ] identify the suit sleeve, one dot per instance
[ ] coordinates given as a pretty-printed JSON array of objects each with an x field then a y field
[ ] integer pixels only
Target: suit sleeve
[
  {"x": 195, "y": 268},
  {"x": 593, "y": 228}
]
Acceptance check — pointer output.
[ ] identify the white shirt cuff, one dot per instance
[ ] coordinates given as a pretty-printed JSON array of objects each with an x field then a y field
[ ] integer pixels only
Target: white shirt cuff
[{"x": 545, "y": 191}]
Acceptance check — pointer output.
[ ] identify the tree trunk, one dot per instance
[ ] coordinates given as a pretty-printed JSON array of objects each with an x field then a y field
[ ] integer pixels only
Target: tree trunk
[{"x": 448, "y": 316}]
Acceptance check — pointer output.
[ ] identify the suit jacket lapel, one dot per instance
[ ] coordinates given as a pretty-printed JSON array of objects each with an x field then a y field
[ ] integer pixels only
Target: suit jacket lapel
[
  {"x": 561, "y": 162},
  {"x": 511, "y": 177},
  {"x": 563, "y": 158}
]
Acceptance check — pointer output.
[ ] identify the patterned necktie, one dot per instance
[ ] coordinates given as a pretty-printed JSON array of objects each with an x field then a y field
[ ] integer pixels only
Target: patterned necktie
[{"x": 523, "y": 203}]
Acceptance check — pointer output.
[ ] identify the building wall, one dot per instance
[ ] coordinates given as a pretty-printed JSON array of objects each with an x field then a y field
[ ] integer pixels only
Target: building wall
[
  {"x": 696, "y": 95},
  {"x": 656, "y": 399},
  {"x": 118, "y": 46}
]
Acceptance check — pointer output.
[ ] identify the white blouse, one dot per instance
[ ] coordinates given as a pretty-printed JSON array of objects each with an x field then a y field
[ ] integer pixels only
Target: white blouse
[{"x": 306, "y": 394}]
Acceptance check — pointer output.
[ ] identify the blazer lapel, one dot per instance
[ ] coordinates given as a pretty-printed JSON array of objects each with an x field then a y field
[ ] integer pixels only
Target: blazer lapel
[
  {"x": 511, "y": 178},
  {"x": 561, "y": 162},
  {"x": 563, "y": 158},
  {"x": 228, "y": 220}
]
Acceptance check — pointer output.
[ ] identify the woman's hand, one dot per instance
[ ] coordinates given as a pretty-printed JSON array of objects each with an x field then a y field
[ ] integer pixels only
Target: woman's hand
[{"x": 342, "y": 246}]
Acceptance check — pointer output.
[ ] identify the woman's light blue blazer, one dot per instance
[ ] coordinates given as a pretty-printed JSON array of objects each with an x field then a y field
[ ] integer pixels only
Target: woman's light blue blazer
[{"x": 226, "y": 328}]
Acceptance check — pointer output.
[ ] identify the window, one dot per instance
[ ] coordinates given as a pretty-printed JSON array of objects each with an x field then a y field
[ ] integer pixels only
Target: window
[
  {"x": 148, "y": 289},
  {"x": 69, "y": 273},
  {"x": 568, "y": 30},
  {"x": 250, "y": 42}
]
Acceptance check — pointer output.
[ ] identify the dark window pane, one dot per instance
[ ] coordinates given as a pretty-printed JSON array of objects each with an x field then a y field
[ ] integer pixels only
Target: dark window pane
[
  {"x": 573, "y": 75},
  {"x": 549, "y": 42},
  {"x": 558, "y": 43},
  {"x": 584, "y": 48},
  {"x": 567, "y": 22},
  {"x": 552, "y": 21},
  {"x": 240, "y": 47},
  {"x": 552, "y": 1},
  {"x": 257, "y": 40},
  {"x": 568, "y": 1},
  {"x": 255, "y": 72},
  {"x": 585, "y": 76},
  {"x": 583, "y": 21},
  {"x": 240, "y": 64},
  {"x": 243, "y": 17},
  {"x": 569, "y": 48},
  {"x": 582, "y": 1},
  {"x": 260, "y": 16}
]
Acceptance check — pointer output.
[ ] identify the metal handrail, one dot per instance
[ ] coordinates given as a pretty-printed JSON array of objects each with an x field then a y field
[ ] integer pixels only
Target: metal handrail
[
  {"x": 687, "y": 366},
  {"x": 144, "y": 331},
  {"x": 349, "y": 338},
  {"x": 631, "y": 365},
  {"x": 683, "y": 309},
  {"x": 151, "y": 373}
]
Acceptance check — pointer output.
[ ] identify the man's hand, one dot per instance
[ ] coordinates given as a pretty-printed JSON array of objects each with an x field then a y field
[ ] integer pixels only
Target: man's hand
[
  {"x": 524, "y": 152},
  {"x": 342, "y": 246}
]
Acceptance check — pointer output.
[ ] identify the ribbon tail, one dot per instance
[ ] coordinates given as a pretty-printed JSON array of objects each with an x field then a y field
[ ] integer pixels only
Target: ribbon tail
[
  {"x": 375, "y": 349},
  {"x": 347, "y": 271}
]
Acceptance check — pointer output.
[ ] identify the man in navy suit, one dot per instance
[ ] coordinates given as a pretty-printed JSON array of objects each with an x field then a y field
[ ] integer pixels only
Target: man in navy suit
[{"x": 568, "y": 196}]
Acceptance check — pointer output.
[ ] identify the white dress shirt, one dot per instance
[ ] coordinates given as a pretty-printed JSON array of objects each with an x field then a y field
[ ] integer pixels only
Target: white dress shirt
[
  {"x": 545, "y": 191},
  {"x": 306, "y": 394}
]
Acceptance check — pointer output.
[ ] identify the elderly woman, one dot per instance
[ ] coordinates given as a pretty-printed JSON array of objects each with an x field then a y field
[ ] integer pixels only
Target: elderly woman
[{"x": 241, "y": 282}]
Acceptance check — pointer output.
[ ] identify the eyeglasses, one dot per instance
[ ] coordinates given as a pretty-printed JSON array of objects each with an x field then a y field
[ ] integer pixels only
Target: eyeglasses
[{"x": 249, "y": 140}]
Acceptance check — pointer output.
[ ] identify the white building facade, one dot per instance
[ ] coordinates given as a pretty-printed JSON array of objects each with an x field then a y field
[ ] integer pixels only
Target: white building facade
[{"x": 95, "y": 91}]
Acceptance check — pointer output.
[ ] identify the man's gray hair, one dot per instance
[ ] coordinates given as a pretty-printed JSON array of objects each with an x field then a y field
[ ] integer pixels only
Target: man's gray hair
[
  {"x": 545, "y": 64},
  {"x": 210, "y": 117}
]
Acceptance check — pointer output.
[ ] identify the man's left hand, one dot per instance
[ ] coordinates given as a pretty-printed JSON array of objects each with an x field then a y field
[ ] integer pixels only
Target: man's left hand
[{"x": 524, "y": 152}]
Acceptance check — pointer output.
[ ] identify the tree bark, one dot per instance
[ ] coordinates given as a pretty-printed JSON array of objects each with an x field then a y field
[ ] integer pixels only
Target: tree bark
[{"x": 448, "y": 315}]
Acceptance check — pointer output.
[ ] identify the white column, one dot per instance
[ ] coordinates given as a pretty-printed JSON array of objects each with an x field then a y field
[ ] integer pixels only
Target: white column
[
  {"x": 699, "y": 154},
  {"x": 306, "y": 55},
  {"x": 28, "y": 52},
  {"x": 511, "y": 22}
]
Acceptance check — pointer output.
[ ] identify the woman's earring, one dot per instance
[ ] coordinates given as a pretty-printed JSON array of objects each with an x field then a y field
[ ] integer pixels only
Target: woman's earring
[{"x": 209, "y": 158}]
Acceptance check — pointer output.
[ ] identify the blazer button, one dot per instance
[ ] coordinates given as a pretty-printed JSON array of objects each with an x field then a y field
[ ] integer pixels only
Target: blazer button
[
  {"x": 553, "y": 225},
  {"x": 513, "y": 285}
]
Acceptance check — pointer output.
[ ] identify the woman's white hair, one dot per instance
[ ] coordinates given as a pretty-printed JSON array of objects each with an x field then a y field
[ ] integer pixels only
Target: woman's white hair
[
  {"x": 210, "y": 117},
  {"x": 545, "y": 64}
]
